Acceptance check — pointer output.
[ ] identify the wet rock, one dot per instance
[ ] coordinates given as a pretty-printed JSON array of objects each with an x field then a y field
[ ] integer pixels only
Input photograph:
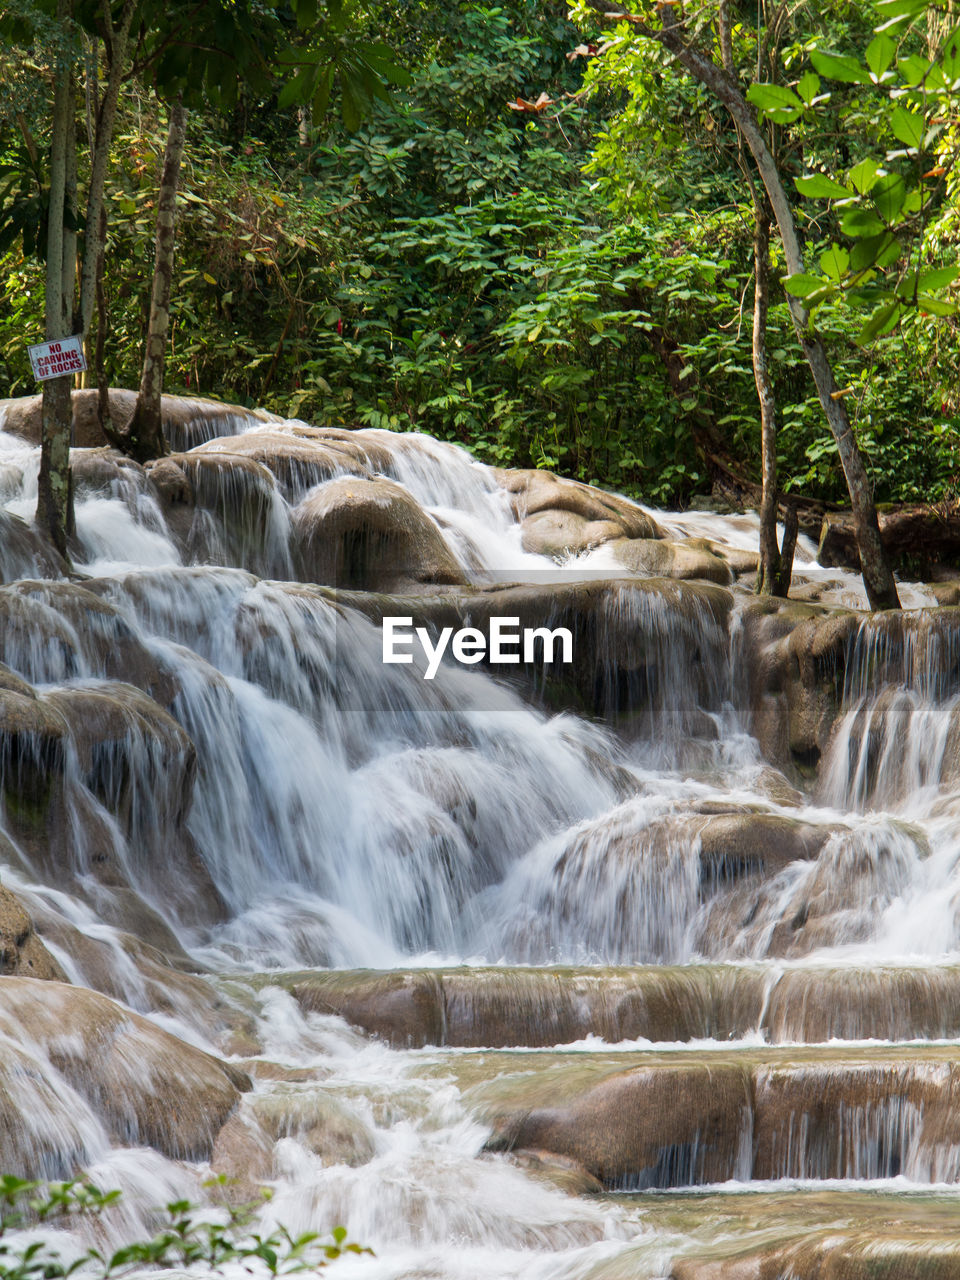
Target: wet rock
[
  {"x": 148, "y": 1087},
  {"x": 644, "y": 651},
  {"x": 370, "y": 534},
  {"x": 800, "y": 655},
  {"x": 644, "y": 1128},
  {"x": 503, "y": 1007},
  {"x": 105, "y": 471},
  {"x": 57, "y": 631},
  {"x": 566, "y": 1175},
  {"x": 186, "y": 421},
  {"x": 864, "y": 1003},
  {"x": 533, "y": 492},
  {"x": 243, "y": 1155},
  {"x": 733, "y": 846},
  {"x": 403, "y": 1008},
  {"x": 318, "y": 1120},
  {"x": 154, "y": 980},
  {"x": 691, "y": 559},
  {"x": 24, "y": 553},
  {"x": 561, "y": 533},
  {"x": 844, "y": 1253},
  {"x": 297, "y": 460},
  {"x": 21, "y": 951}
]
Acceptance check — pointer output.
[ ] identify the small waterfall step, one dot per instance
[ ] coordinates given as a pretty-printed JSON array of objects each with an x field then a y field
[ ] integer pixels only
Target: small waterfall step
[
  {"x": 498, "y": 1007},
  {"x": 693, "y": 1117},
  {"x": 806, "y": 1235}
]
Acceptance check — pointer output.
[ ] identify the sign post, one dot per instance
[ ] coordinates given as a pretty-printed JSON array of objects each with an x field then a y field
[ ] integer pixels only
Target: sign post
[{"x": 57, "y": 359}]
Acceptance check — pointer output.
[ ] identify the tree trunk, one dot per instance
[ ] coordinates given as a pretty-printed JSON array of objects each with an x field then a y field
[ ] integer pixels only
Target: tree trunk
[
  {"x": 768, "y": 579},
  {"x": 877, "y": 577},
  {"x": 144, "y": 432},
  {"x": 116, "y": 39},
  {"x": 53, "y": 482}
]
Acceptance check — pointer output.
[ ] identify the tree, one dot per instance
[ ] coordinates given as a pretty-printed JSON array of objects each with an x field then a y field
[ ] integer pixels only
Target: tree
[
  {"x": 249, "y": 46},
  {"x": 683, "y": 42}
]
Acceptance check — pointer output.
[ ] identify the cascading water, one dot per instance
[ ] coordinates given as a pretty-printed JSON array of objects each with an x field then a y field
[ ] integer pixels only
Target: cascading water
[{"x": 221, "y": 808}]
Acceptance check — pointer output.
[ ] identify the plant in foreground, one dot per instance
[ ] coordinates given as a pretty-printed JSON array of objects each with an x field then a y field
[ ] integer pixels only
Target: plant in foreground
[{"x": 186, "y": 1240}]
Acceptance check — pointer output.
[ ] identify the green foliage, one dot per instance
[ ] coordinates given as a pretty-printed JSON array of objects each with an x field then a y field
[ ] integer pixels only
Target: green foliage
[
  {"x": 905, "y": 88},
  {"x": 187, "y": 1238},
  {"x": 448, "y": 267}
]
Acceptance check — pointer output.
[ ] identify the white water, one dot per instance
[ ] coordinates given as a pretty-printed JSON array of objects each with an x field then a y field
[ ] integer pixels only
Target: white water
[{"x": 354, "y": 815}]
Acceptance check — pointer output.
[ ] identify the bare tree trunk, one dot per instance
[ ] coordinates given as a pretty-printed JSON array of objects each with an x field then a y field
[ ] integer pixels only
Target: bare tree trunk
[
  {"x": 99, "y": 357},
  {"x": 791, "y": 527},
  {"x": 53, "y": 484},
  {"x": 116, "y": 40},
  {"x": 769, "y": 575},
  {"x": 144, "y": 433},
  {"x": 877, "y": 577}
]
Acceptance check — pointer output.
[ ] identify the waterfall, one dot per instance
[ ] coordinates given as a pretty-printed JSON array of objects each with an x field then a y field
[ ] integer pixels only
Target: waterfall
[{"x": 470, "y": 963}]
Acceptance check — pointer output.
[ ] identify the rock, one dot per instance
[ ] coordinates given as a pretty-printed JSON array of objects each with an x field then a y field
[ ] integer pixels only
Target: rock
[
  {"x": 884, "y": 1251},
  {"x": 534, "y": 1007},
  {"x": 799, "y": 663},
  {"x": 241, "y": 497},
  {"x": 24, "y": 553},
  {"x": 733, "y": 846},
  {"x": 566, "y": 1175},
  {"x": 297, "y": 460},
  {"x": 684, "y": 560},
  {"x": 242, "y": 1154},
  {"x": 106, "y": 471},
  {"x": 318, "y": 1120},
  {"x": 127, "y": 969},
  {"x": 403, "y": 1008},
  {"x": 864, "y": 1003},
  {"x": 145, "y": 1085},
  {"x": 186, "y": 421},
  {"x": 56, "y": 631},
  {"x": 138, "y": 762},
  {"x": 647, "y": 1127},
  {"x": 535, "y": 491},
  {"x": 671, "y": 639},
  {"x": 372, "y": 535},
  {"x": 561, "y": 533},
  {"x": 21, "y": 951},
  {"x": 913, "y": 535}
]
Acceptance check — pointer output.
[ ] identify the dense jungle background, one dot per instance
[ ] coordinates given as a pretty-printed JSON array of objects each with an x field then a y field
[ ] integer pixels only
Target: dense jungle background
[{"x": 534, "y": 246}]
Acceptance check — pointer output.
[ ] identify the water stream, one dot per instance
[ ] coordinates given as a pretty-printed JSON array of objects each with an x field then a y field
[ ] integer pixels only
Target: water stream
[{"x": 244, "y": 786}]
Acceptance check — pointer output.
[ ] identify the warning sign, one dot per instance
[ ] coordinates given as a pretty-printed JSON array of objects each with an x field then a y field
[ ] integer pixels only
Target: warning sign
[{"x": 55, "y": 359}]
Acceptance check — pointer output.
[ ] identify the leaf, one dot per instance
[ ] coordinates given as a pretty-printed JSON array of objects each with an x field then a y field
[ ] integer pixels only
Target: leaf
[
  {"x": 874, "y": 251},
  {"x": 839, "y": 66},
  {"x": 808, "y": 86},
  {"x": 861, "y": 222},
  {"x": 896, "y": 14},
  {"x": 835, "y": 262},
  {"x": 879, "y": 54},
  {"x": 209, "y": 278},
  {"x": 937, "y": 306},
  {"x": 889, "y": 195},
  {"x": 802, "y": 285},
  {"x": 907, "y": 126},
  {"x": 777, "y": 103},
  {"x": 863, "y": 176},
  {"x": 541, "y": 104},
  {"x": 950, "y": 57},
  {"x": 885, "y": 318},
  {"x": 820, "y": 187},
  {"x": 938, "y": 278}
]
